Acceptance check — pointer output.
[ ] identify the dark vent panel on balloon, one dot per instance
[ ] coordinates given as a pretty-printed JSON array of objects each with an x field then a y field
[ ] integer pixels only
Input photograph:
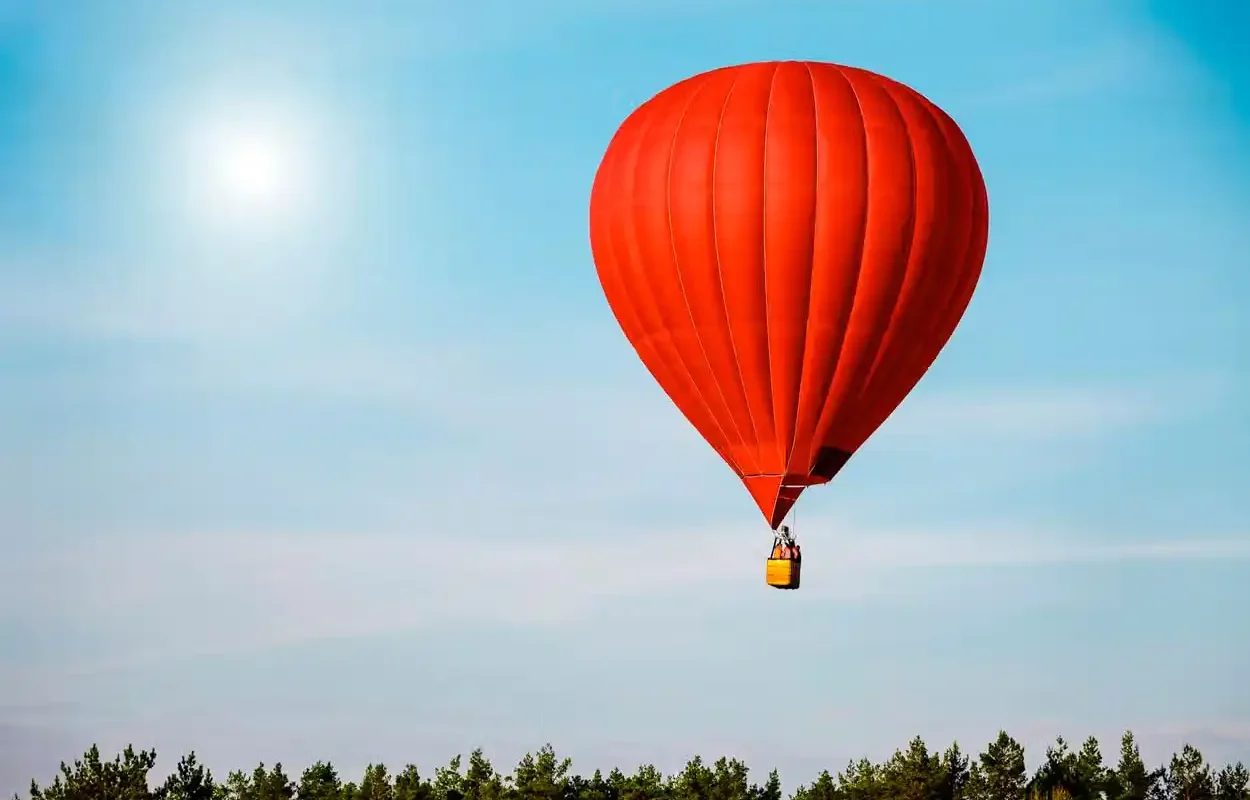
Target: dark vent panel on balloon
[{"x": 828, "y": 461}]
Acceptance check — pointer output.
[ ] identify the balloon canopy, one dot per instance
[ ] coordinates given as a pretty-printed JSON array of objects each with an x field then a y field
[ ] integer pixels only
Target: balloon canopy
[{"x": 788, "y": 246}]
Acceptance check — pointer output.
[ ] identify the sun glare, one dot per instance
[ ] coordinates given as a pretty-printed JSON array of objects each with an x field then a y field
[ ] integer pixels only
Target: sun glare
[
  {"x": 251, "y": 169},
  {"x": 248, "y": 171}
]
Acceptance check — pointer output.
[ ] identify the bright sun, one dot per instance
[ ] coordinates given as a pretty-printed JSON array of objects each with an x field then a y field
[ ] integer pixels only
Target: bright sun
[
  {"x": 251, "y": 169},
  {"x": 248, "y": 171}
]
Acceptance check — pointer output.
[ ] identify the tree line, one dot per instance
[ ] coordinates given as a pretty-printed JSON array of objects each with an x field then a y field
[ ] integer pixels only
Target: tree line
[{"x": 912, "y": 773}]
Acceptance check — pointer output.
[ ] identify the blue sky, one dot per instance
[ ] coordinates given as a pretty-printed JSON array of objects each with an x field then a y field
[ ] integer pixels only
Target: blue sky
[{"x": 368, "y": 472}]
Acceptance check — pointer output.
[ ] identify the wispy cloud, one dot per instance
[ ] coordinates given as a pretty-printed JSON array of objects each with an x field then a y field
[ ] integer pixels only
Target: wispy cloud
[
  {"x": 465, "y": 378},
  {"x": 480, "y": 388},
  {"x": 176, "y": 594},
  {"x": 496, "y": 429},
  {"x": 203, "y": 297},
  {"x": 1041, "y": 413}
]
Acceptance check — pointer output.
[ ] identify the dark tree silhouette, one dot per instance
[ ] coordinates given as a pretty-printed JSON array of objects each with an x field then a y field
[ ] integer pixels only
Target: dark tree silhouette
[{"x": 911, "y": 773}]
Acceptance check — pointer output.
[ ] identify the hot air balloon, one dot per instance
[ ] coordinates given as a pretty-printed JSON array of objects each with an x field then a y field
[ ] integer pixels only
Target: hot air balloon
[{"x": 788, "y": 246}]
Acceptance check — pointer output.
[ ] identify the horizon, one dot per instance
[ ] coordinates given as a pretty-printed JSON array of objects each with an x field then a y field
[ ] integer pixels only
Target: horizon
[{"x": 1069, "y": 769}]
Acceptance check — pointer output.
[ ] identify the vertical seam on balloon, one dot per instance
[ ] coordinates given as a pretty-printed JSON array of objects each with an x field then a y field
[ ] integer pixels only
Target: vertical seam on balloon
[
  {"x": 976, "y": 200},
  {"x": 720, "y": 281},
  {"x": 629, "y": 231},
  {"x": 852, "y": 400},
  {"x": 971, "y": 180},
  {"x": 628, "y": 303},
  {"x": 946, "y": 300},
  {"x": 626, "y": 298},
  {"x": 768, "y": 340},
  {"x": 823, "y": 434},
  {"x": 908, "y": 266},
  {"x": 668, "y": 212},
  {"x": 676, "y": 351},
  {"x": 811, "y": 267}
]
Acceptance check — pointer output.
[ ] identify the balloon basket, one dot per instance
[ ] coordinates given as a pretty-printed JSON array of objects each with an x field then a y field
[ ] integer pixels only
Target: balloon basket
[{"x": 782, "y": 573}]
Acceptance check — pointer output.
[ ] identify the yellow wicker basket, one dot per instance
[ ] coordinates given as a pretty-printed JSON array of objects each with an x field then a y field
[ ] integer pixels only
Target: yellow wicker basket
[{"x": 782, "y": 573}]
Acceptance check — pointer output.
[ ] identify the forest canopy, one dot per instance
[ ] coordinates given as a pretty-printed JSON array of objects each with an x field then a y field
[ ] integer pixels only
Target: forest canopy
[{"x": 912, "y": 773}]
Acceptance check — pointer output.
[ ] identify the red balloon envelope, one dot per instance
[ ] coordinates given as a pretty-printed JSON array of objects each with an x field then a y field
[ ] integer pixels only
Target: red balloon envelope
[{"x": 788, "y": 246}]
